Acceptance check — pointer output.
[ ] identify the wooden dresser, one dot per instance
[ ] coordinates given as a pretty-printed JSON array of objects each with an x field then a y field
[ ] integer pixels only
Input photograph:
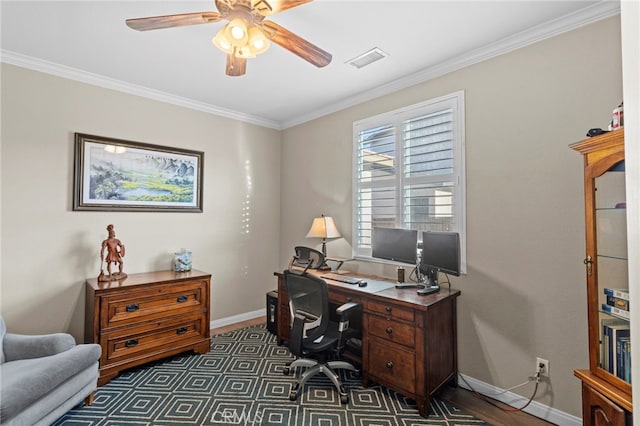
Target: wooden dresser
[
  {"x": 409, "y": 342},
  {"x": 146, "y": 317}
]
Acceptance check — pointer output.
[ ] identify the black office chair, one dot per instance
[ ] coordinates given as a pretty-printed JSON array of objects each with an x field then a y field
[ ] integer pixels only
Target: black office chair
[{"x": 314, "y": 340}]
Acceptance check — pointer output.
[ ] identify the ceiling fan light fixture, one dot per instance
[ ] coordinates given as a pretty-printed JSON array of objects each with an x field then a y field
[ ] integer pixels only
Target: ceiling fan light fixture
[
  {"x": 246, "y": 33},
  {"x": 221, "y": 42},
  {"x": 236, "y": 32},
  {"x": 245, "y": 52},
  {"x": 257, "y": 41}
]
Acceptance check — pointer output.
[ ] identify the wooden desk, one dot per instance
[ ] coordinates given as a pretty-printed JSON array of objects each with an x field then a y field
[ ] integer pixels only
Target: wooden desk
[{"x": 409, "y": 342}]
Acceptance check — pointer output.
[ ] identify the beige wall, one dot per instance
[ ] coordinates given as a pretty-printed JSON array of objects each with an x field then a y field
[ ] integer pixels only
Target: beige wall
[
  {"x": 524, "y": 294},
  {"x": 48, "y": 250}
]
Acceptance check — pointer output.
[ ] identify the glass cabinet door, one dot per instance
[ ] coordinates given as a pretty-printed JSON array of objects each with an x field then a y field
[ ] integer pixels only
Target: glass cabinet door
[{"x": 611, "y": 268}]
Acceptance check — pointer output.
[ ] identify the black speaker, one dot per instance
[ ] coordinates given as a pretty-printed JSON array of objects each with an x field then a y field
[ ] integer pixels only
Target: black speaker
[{"x": 272, "y": 312}]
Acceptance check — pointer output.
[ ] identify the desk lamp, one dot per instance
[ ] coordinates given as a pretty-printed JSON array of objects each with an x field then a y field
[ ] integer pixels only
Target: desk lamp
[{"x": 323, "y": 227}]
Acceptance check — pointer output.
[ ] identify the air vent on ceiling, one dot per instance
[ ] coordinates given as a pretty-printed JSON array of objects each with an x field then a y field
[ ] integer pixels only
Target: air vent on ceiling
[{"x": 367, "y": 58}]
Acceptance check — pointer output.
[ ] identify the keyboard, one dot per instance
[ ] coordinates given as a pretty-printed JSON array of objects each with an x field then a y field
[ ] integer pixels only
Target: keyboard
[{"x": 342, "y": 278}]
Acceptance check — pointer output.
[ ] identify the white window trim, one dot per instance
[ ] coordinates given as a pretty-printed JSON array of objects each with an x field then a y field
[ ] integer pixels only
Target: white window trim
[{"x": 455, "y": 101}]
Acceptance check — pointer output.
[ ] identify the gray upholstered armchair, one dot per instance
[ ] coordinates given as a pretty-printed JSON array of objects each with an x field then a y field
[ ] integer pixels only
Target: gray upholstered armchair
[{"x": 43, "y": 377}]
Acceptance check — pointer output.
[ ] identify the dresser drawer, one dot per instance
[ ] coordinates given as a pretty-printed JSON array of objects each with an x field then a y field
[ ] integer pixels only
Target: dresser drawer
[
  {"x": 392, "y": 364},
  {"x": 390, "y": 310},
  {"x": 129, "y": 342},
  {"x": 153, "y": 303},
  {"x": 392, "y": 331}
]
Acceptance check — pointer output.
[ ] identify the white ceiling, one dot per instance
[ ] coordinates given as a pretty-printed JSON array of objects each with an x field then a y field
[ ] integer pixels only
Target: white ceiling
[{"x": 89, "y": 41}]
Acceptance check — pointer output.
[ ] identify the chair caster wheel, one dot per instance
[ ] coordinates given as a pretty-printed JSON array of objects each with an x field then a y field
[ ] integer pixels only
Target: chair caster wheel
[
  {"x": 286, "y": 371},
  {"x": 293, "y": 395},
  {"x": 344, "y": 399}
]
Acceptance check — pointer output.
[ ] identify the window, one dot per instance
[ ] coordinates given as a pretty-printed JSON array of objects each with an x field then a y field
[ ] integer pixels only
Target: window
[{"x": 409, "y": 171}]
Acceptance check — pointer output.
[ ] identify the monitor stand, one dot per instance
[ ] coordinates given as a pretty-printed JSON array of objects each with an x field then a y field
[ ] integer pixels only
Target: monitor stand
[
  {"x": 430, "y": 283},
  {"x": 427, "y": 284},
  {"x": 428, "y": 289}
]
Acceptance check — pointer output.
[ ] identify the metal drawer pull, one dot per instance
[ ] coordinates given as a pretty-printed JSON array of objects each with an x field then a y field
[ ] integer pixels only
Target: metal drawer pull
[
  {"x": 389, "y": 365},
  {"x": 388, "y": 309},
  {"x": 132, "y": 307},
  {"x": 182, "y": 298},
  {"x": 389, "y": 330},
  {"x": 131, "y": 343},
  {"x": 182, "y": 330}
]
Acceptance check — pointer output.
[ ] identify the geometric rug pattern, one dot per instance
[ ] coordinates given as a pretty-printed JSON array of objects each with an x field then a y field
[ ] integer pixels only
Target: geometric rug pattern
[{"x": 241, "y": 382}]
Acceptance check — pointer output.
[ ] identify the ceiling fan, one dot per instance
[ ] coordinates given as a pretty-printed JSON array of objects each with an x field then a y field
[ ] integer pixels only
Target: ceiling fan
[{"x": 247, "y": 34}]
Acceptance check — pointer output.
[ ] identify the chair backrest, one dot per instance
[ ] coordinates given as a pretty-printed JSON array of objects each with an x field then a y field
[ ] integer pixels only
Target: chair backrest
[
  {"x": 306, "y": 258},
  {"x": 308, "y": 298}
]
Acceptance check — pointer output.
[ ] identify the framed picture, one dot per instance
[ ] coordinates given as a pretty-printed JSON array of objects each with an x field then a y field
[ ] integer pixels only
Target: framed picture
[{"x": 113, "y": 174}]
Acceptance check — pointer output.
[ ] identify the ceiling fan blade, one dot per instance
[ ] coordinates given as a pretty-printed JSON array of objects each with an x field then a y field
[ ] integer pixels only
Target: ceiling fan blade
[
  {"x": 168, "y": 21},
  {"x": 269, "y": 7},
  {"x": 236, "y": 66},
  {"x": 297, "y": 45}
]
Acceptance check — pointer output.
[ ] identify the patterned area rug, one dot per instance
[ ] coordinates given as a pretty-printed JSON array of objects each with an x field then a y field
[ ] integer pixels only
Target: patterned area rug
[{"x": 240, "y": 382}]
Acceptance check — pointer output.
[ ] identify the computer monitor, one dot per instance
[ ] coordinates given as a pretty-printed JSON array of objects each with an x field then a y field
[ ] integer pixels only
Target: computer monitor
[
  {"x": 399, "y": 245},
  {"x": 440, "y": 253}
]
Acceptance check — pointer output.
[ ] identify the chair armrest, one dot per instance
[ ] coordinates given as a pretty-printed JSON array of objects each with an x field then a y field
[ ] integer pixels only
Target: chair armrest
[
  {"x": 21, "y": 346},
  {"x": 346, "y": 309},
  {"x": 296, "y": 335}
]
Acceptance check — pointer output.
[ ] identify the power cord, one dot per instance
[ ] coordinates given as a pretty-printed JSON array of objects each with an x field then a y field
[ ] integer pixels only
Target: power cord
[
  {"x": 477, "y": 394},
  {"x": 447, "y": 282}
]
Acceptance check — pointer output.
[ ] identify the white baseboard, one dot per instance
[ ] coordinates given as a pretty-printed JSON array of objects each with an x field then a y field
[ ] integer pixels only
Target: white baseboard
[
  {"x": 537, "y": 409},
  {"x": 238, "y": 318}
]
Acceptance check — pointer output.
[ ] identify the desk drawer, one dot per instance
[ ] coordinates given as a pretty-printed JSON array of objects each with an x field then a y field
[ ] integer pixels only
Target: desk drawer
[
  {"x": 129, "y": 342},
  {"x": 392, "y": 331},
  {"x": 392, "y": 364},
  {"x": 340, "y": 297},
  {"x": 390, "y": 310},
  {"x": 152, "y": 303}
]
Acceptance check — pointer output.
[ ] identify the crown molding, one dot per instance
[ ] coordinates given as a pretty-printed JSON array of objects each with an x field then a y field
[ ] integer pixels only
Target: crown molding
[
  {"x": 597, "y": 12},
  {"x": 63, "y": 71}
]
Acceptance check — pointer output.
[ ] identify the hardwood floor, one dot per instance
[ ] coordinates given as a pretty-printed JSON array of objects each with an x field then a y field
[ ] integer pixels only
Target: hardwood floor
[
  {"x": 461, "y": 398},
  {"x": 468, "y": 402}
]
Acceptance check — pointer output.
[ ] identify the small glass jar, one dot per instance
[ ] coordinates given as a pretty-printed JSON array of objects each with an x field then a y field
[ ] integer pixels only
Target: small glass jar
[{"x": 182, "y": 261}]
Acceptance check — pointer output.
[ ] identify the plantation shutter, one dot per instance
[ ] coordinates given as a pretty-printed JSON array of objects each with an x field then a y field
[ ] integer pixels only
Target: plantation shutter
[
  {"x": 428, "y": 172},
  {"x": 408, "y": 171}
]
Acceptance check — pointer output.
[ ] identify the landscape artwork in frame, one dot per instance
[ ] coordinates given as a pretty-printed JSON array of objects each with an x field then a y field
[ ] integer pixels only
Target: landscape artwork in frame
[{"x": 113, "y": 174}]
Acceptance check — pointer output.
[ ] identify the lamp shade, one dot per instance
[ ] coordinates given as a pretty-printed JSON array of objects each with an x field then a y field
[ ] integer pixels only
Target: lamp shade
[
  {"x": 221, "y": 41},
  {"x": 236, "y": 32},
  {"x": 323, "y": 227}
]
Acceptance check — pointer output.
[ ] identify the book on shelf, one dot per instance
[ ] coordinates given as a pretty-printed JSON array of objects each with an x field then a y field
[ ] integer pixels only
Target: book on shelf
[
  {"x": 620, "y": 293},
  {"x": 605, "y": 340},
  {"x": 613, "y": 347},
  {"x": 612, "y": 310},
  {"x": 627, "y": 361},
  {"x": 618, "y": 303},
  {"x": 623, "y": 367}
]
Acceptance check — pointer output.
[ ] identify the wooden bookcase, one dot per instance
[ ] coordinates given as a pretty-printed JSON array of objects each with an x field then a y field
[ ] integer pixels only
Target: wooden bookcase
[{"x": 606, "y": 388}]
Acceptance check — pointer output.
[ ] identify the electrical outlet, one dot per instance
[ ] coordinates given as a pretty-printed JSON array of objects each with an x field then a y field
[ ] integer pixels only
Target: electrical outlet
[{"x": 542, "y": 367}]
